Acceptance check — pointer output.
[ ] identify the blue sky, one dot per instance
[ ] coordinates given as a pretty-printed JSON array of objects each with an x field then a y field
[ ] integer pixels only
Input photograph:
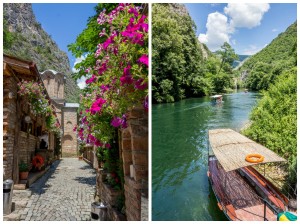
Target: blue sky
[
  {"x": 63, "y": 22},
  {"x": 248, "y": 28}
]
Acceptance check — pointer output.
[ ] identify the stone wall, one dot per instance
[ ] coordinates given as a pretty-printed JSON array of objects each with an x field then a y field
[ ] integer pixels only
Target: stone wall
[
  {"x": 69, "y": 140},
  {"x": 90, "y": 155},
  {"x": 9, "y": 125},
  {"x": 134, "y": 144},
  {"x": 109, "y": 197},
  {"x": 54, "y": 83},
  {"x": 134, "y": 151},
  {"x": 27, "y": 145}
]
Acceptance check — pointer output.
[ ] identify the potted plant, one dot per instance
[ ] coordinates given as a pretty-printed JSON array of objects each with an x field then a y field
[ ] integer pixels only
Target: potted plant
[{"x": 23, "y": 171}]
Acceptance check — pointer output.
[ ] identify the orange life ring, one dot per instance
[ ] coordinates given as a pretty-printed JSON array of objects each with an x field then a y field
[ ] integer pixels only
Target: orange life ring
[{"x": 258, "y": 158}]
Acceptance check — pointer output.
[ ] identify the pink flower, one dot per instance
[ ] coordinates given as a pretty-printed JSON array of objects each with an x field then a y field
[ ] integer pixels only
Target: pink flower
[
  {"x": 133, "y": 11},
  {"x": 97, "y": 105},
  {"x": 101, "y": 18},
  {"x": 138, "y": 39},
  {"x": 126, "y": 78},
  {"x": 98, "y": 143},
  {"x": 102, "y": 68},
  {"x": 145, "y": 104},
  {"x": 104, "y": 88},
  {"x": 75, "y": 128},
  {"x": 116, "y": 122},
  {"x": 138, "y": 84},
  {"x": 107, "y": 145},
  {"x": 102, "y": 33},
  {"x": 144, "y": 59},
  {"x": 91, "y": 80}
]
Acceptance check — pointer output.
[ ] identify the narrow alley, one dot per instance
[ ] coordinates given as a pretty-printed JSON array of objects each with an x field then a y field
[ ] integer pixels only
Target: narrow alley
[{"x": 64, "y": 193}]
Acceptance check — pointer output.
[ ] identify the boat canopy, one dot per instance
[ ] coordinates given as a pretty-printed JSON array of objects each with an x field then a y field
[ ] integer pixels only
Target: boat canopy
[
  {"x": 216, "y": 96},
  {"x": 231, "y": 149}
]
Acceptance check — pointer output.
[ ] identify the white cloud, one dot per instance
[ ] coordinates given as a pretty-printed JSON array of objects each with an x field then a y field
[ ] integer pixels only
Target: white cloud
[
  {"x": 246, "y": 15},
  {"x": 217, "y": 31},
  {"x": 78, "y": 60},
  {"x": 274, "y": 30},
  {"x": 252, "y": 49},
  {"x": 214, "y": 4},
  {"x": 81, "y": 82},
  {"x": 220, "y": 27}
]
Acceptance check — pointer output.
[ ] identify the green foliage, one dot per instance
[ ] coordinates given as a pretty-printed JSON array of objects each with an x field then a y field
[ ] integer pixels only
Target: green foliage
[
  {"x": 23, "y": 167},
  {"x": 275, "y": 118},
  {"x": 7, "y": 36},
  {"x": 179, "y": 69},
  {"x": 176, "y": 57},
  {"x": 227, "y": 56},
  {"x": 88, "y": 39},
  {"x": 221, "y": 82},
  {"x": 266, "y": 65}
]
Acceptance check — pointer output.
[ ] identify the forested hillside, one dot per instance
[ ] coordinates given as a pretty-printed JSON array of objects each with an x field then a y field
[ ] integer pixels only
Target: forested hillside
[
  {"x": 263, "y": 67},
  {"x": 182, "y": 67},
  {"x": 274, "y": 119}
]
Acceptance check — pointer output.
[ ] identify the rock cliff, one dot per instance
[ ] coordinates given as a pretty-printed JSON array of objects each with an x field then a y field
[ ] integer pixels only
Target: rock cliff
[{"x": 25, "y": 38}]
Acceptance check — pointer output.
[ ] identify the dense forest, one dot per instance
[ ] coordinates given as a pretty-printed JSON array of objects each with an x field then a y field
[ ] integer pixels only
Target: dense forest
[
  {"x": 263, "y": 68},
  {"x": 182, "y": 67},
  {"x": 274, "y": 119}
]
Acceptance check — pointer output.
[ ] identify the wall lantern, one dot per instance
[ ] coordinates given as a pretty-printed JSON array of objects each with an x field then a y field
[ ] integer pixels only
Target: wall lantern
[{"x": 27, "y": 119}]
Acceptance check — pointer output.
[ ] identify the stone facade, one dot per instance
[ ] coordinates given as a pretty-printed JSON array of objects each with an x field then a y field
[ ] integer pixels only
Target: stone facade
[
  {"x": 20, "y": 139},
  {"x": 9, "y": 124},
  {"x": 134, "y": 153},
  {"x": 66, "y": 112},
  {"x": 135, "y": 162},
  {"x": 69, "y": 140}
]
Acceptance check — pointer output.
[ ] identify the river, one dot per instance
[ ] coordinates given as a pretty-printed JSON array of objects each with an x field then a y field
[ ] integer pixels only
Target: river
[{"x": 180, "y": 187}]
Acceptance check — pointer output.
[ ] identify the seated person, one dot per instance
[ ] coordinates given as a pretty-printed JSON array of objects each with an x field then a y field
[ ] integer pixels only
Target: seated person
[{"x": 43, "y": 144}]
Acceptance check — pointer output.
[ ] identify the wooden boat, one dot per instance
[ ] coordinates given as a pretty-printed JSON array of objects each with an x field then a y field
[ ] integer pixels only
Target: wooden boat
[
  {"x": 242, "y": 192},
  {"x": 217, "y": 98}
]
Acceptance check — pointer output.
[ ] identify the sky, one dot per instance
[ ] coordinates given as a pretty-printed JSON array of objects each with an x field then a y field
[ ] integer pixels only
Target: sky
[
  {"x": 247, "y": 27},
  {"x": 64, "y": 22}
]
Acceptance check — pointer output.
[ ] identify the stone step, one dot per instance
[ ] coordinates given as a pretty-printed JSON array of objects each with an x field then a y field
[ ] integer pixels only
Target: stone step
[
  {"x": 12, "y": 217},
  {"x": 21, "y": 194},
  {"x": 20, "y": 205}
]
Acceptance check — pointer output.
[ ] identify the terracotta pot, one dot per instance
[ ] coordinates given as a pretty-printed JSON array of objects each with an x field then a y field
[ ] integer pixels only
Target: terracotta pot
[
  {"x": 23, "y": 175},
  {"x": 80, "y": 157}
]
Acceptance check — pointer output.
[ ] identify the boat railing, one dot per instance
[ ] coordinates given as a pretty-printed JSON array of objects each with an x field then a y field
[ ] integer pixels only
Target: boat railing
[
  {"x": 266, "y": 203},
  {"x": 286, "y": 189}
]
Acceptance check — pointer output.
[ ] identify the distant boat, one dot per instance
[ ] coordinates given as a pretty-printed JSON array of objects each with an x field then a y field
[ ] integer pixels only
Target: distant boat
[
  {"x": 242, "y": 192},
  {"x": 217, "y": 98}
]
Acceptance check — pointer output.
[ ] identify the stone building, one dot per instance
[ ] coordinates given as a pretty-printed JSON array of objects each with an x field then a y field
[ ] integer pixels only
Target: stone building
[
  {"x": 21, "y": 128},
  {"x": 66, "y": 112},
  {"x": 21, "y": 138}
]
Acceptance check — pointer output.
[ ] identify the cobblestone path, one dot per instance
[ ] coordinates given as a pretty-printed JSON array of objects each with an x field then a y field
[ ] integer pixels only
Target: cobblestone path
[{"x": 65, "y": 192}]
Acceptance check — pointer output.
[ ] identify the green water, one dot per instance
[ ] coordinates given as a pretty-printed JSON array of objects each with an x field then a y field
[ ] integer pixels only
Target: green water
[{"x": 180, "y": 187}]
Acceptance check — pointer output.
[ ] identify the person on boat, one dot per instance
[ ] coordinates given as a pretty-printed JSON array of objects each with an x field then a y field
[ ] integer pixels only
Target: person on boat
[{"x": 291, "y": 214}]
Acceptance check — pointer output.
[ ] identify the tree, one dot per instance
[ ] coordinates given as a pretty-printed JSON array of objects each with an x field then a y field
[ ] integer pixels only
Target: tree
[
  {"x": 274, "y": 119},
  {"x": 177, "y": 61},
  {"x": 228, "y": 56},
  {"x": 87, "y": 41}
]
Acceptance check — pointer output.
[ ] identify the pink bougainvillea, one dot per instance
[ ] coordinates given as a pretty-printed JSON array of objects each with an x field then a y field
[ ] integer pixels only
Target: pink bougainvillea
[{"x": 120, "y": 75}]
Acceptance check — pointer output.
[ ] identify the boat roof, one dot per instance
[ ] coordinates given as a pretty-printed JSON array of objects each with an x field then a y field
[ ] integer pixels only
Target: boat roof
[
  {"x": 231, "y": 149},
  {"x": 216, "y": 96}
]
